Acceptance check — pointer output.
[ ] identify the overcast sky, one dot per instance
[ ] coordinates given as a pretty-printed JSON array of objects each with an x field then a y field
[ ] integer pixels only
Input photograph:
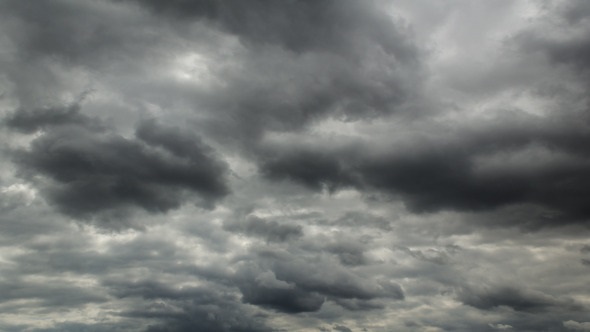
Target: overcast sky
[{"x": 294, "y": 165}]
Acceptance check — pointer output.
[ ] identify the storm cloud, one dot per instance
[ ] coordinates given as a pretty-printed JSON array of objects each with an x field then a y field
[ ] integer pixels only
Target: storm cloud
[
  {"x": 484, "y": 167},
  {"x": 91, "y": 170},
  {"x": 328, "y": 165}
]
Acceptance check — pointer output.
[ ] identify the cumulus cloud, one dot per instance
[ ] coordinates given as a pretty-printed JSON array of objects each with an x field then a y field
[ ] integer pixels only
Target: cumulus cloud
[
  {"x": 91, "y": 170},
  {"x": 452, "y": 170},
  {"x": 266, "y": 290}
]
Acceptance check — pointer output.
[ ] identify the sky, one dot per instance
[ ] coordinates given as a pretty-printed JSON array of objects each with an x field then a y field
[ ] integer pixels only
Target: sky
[{"x": 296, "y": 165}]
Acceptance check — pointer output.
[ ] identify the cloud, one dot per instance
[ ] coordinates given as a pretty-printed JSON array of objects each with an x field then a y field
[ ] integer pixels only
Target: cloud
[
  {"x": 360, "y": 305},
  {"x": 569, "y": 49},
  {"x": 298, "y": 26},
  {"x": 431, "y": 255},
  {"x": 266, "y": 290},
  {"x": 185, "y": 309},
  {"x": 86, "y": 171},
  {"x": 29, "y": 121},
  {"x": 450, "y": 172},
  {"x": 516, "y": 299},
  {"x": 455, "y": 164},
  {"x": 576, "y": 326},
  {"x": 298, "y": 63},
  {"x": 500, "y": 326},
  {"x": 269, "y": 230},
  {"x": 77, "y": 327},
  {"x": 342, "y": 328},
  {"x": 355, "y": 219},
  {"x": 294, "y": 165},
  {"x": 105, "y": 31},
  {"x": 333, "y": 280},
  {"x": 52, "y": 296},
  {"x": 349, "y": 253},
  {"x": 288, "y": 283}
]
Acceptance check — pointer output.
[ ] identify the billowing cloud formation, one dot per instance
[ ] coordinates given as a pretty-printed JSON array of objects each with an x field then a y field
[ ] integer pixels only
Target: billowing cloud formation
[
  {"x": 327, "y": 165},
  {"x": 266, "y": 290},
  {"x": 483, "y": 167},
  {"x": 91, "y": 171},
  {"x": 309, "y": 59}
]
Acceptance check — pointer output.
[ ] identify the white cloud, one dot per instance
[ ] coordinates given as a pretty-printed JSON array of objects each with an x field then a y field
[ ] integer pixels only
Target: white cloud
[{"x": 577, "y": 326}]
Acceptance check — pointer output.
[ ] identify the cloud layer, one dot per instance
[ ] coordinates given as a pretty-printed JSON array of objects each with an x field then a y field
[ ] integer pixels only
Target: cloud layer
[{"x": 294, "y": 165}]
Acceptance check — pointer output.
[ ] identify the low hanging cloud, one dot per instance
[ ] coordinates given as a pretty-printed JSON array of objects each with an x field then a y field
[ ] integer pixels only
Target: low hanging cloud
[
  {"x": 458, "y": 171},
  {"x": 516, "y": 299},
  {"x": 265, "y": 290},
  {"x": 85, "y": 170},
  {"x": 186, "y": 309}
]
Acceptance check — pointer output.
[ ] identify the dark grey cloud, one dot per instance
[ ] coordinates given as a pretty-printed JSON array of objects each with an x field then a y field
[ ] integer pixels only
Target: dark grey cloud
[
  {"x": 360, "y": 305},
  {"x": 186, "y": 309},
  {"x": 330, "y": 279},
  {"x": 342, "y": 328},
  {"x": 288, "y": 283},
  {"x": 300, "y": 62},
  {"x": 92, "y": 171},
  {"x": 266, "y": 229},
  {"x": 516, "y": 299},
  {"x": 447, "y": 173},
  {"x": 349, "y": 253},
  {"x": 104, "y": 33},
  {"x": 266, "y": 290},
  {"x": 29, "y": 121},
  {"x": 300, "y": 26},
  {"x": 570, "y": 50},
  {"x": 315, "y": 170},
  {"x": 336, "y": 283}
]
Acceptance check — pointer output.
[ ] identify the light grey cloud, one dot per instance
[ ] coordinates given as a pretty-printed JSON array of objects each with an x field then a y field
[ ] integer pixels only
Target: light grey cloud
[
  {"x": 576, "y": 326},
  {"x": 500, "y": 326}
]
